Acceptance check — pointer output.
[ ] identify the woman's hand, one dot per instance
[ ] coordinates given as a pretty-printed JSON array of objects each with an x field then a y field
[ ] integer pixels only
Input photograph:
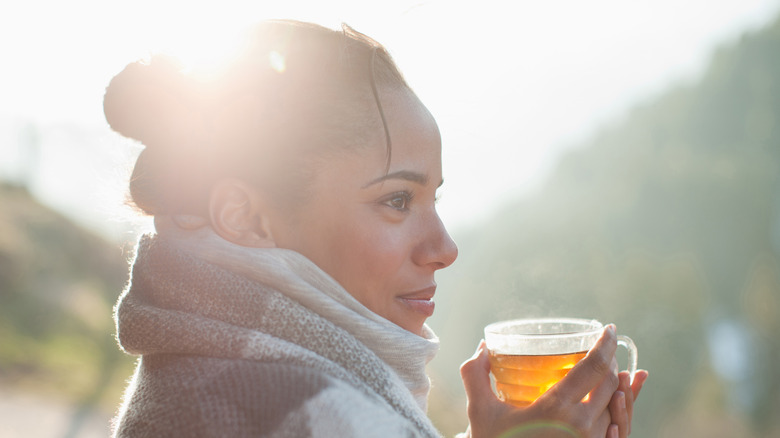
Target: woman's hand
[
  {"x": 621, "y": 408},
  {"x": 561, "y": 411}
]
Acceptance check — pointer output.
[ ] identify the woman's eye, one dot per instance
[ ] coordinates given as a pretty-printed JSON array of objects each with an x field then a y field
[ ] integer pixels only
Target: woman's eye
[{"x": 399, "y": 201}]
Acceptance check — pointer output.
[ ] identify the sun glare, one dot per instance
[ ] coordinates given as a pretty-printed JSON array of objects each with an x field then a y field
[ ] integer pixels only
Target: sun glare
[
  {"x": 208, "y": 37},
  {"x": 277, "y": 61},
  {"x": 205, "y": 51}
]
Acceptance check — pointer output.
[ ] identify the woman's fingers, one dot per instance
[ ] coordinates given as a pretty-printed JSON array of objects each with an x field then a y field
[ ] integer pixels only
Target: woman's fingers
[
  {"x": 591, "y": 371},
  {"x": 622, "y": 408},
  {"x": 601, "y": 427},
  {"x": 624, "y": 387},
  {"x": 475, "y": 373},
  {"x": 639, "y": 380},
  {"x": 600, "y": 398},
  {"x": 632, "y": 390},
  {"x": 619, "y": 413},
  {"x": 488, "y": 416}
]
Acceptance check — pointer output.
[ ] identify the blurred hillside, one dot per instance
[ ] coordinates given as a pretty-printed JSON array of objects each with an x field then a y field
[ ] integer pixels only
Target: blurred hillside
[
  {"x": 58, "y": 283},
  {"x": 666, "y": 223}
]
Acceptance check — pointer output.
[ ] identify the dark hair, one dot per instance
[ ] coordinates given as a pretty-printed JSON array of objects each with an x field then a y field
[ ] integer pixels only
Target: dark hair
[{"x": 294, "y": 93}]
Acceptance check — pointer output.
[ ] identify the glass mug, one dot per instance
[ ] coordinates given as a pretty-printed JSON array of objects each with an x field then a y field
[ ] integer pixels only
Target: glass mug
[{"x": 529, "y": 356}]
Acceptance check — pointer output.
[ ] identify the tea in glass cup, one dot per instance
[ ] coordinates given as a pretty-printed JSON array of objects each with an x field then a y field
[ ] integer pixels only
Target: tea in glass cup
[{"x": 529, "y": 356}]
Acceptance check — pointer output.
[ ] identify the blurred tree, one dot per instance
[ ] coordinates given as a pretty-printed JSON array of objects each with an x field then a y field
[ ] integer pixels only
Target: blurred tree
[{"x": 58, "y": 283}]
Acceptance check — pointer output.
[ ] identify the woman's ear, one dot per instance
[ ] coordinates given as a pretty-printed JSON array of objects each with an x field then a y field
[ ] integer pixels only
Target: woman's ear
[{"x": 239, "y": 214}]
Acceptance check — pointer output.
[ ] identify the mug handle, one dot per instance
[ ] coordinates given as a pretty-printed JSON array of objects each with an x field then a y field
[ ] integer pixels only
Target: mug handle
[{"x": 633, "y": 355}]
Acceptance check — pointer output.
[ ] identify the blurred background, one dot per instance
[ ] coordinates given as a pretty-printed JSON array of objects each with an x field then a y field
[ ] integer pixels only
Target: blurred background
[{"x": 605, "y": 159}]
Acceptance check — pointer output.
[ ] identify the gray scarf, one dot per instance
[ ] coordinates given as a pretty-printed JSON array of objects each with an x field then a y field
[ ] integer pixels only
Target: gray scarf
[{"x": 195, "y": 294}]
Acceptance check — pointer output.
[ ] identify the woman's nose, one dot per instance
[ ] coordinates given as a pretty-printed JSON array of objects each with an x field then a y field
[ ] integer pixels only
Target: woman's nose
[{"x": 437, "y": 249}]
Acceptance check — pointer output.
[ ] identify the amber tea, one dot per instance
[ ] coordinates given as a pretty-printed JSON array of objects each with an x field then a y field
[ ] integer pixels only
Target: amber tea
[
  {"x": 529, "y": 356},
  {"x": 521, "y": 379}
]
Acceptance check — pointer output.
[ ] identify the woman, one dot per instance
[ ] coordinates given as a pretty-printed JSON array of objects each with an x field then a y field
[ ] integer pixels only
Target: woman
[{"x": 286, "y": 288}]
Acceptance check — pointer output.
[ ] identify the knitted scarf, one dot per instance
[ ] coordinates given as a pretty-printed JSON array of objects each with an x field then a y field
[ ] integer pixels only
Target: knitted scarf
[{"x": 198, "y": 305}]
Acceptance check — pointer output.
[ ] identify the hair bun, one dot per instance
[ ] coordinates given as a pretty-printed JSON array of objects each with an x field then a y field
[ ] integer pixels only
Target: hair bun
[{"x": 144, "y": 100}]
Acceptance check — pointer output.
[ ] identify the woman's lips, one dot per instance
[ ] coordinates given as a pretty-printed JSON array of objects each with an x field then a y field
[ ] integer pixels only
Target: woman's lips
[
  {"x": 420, "y": 301},
  {"x": 425, "y": 307}
]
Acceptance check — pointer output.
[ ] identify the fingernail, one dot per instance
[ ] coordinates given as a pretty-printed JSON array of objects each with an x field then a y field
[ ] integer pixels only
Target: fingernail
[{"x": 612, "y": 328}]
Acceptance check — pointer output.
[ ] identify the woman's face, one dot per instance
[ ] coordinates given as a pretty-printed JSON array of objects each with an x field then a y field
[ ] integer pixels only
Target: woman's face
[{"x": 374, "y": 230}]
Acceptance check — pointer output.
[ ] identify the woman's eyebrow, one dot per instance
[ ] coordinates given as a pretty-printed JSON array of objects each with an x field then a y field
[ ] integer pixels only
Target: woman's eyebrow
[{"x": 407, "y": 175}]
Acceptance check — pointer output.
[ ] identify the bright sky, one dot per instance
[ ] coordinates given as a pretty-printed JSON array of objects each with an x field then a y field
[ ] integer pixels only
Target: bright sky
[{"x": 511, "y": 83}]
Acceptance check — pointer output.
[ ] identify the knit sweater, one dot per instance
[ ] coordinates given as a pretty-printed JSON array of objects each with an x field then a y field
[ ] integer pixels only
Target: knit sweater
[{"x": 241, "y": 342}]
